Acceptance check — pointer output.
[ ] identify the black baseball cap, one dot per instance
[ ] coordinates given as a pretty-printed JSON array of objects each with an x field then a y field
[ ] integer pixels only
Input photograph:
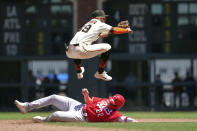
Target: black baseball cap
[{"x": 98, "y": 13}]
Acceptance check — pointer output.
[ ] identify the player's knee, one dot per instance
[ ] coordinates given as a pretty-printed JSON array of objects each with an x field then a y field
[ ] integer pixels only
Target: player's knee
[
  {"x": 53, "y": 97},
  {"x": 108, "y": 47}
]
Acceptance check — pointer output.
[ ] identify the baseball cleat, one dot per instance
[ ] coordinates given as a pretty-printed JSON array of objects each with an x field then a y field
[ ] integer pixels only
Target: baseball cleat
[
  {"x": 80, "y": 75},
  {"x": 21, "y": 106},
  {"x": 39, "y": 119},
  {"x": 104, "y": 76}
]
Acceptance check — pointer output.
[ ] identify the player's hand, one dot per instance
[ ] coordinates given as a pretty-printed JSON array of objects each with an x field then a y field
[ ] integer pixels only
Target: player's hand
[{"x": 85, "y": 92}]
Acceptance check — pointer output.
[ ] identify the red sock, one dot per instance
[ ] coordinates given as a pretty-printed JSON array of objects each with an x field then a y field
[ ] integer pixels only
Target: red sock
[
  {"x": 78, "y": 68},
  {"x": 102, "y": 65}
]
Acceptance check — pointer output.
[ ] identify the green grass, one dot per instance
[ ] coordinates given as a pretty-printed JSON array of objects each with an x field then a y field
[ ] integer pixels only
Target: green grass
[
  {"x": 161, "y": 114},
  {"x": 167, "y": 126},
  {"x": 159, "y": 126},
  {"x": 19, "y": 116}
]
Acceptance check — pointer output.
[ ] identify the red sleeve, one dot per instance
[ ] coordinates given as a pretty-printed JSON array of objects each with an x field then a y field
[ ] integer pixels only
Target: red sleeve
[
  {"x": 96, "y": 99},
  {"x": 115, "y": 116},
  {"x": 118, "y": 30}
]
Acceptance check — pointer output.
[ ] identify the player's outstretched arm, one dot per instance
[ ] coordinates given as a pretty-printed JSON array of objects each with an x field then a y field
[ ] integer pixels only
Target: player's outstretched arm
[
  {"x": 85, "y": 93},
  {"x": 122, "y": 28},
  {"x": 116, "y": 31},
  {"x": 126, "y": 119},
  {"x": 119, "y": 30}
]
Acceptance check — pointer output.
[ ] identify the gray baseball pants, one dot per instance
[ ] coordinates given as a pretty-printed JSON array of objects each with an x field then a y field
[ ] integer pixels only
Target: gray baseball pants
[{"x": 71, "y": 110}]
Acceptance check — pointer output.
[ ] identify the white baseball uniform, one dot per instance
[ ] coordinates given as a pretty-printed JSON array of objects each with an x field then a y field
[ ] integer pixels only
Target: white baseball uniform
[{"x": 81, "y": 46}]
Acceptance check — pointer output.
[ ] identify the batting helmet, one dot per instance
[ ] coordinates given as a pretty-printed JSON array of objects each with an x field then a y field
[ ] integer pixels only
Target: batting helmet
[{"x": 116, "y": 101}]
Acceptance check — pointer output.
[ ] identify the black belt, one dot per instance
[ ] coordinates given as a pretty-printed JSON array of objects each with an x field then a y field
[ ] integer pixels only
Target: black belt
[{"x": 75, "y": 44}]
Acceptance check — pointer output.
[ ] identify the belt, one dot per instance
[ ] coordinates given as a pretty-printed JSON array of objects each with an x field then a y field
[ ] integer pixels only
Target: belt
[
  {"x": 75, "y": 44},
  {"x": 66, "y": 47}
]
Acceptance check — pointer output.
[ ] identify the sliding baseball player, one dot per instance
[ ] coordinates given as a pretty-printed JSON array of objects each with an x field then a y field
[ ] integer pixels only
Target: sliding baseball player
[{"x": 94, "y": 110}]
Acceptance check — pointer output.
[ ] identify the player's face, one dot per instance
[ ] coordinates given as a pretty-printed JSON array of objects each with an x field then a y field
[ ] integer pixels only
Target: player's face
[
  {"x": 111, "y": 104},
  {"x": 103, "y": 19}
]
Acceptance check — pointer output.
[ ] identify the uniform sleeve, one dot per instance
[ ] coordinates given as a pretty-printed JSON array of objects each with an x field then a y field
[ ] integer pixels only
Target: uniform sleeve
[
  {"x": 96, "y": 99},
  {"x": 105, "y": 27}
]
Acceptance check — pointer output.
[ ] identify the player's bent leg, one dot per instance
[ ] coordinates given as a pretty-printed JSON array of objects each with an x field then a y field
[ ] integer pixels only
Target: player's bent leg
[
  {"x": 95, "y": 50},
  {"x": 62, "y": 116},
  {"x": 38, "y": 119},
  {"x": 84, "y": 51},
  {"x": 43, "y": 102},
  {"x": 102, "y": 61},
  {"x": 102, "y": 47},
  {"x": 61, "y": 102},
  {"x": 101, "y": 74},
  {"x": 80, "y": 70},
  {"x": 74, "y": 52},
  {"x": 21, "y": 106}
]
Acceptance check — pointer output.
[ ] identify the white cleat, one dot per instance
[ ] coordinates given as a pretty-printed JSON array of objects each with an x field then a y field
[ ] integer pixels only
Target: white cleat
[
  {"x": 80, "y": 75},
  {"x": 104, "y": 76},
  {"x": 21, "y": 106},
  {"x": 39, "y": 119}
]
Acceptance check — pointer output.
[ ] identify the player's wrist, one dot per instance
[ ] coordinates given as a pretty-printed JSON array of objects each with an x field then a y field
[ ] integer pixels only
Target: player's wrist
[
  {"x": 129, "y": 30},
  {"x": 86, "y": 95}
]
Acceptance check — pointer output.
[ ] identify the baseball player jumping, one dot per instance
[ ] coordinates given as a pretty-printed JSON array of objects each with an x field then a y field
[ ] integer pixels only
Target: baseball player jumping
[
  {"x": 82, "y": 47},
  {"x": 94, "y": 110}
]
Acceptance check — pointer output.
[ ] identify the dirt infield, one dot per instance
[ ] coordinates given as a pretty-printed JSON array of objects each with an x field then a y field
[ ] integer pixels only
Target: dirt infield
[
  {"x": 29, "y": 125},
  {"x": 167, "y": 120}
]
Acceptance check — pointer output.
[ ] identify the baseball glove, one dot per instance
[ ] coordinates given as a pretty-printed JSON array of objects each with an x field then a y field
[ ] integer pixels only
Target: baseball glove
[{"x": 124, "y": 24}]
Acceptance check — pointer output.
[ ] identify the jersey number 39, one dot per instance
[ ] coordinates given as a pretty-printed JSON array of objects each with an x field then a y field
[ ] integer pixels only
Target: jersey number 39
[{"x": 86, "y": 28}]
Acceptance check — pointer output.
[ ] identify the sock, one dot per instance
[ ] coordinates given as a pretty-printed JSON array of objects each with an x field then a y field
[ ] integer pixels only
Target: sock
[
  {"x": 102, "y": 65},
  {"x": 102, "y": 62},
  {"x": 77, "y": 65}
]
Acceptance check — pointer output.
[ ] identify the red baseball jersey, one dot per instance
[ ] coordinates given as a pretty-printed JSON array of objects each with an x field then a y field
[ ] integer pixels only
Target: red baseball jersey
[{"x": 98, "y": 111}]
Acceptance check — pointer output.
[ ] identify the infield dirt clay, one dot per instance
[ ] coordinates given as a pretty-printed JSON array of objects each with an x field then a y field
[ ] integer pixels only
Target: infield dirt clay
[{"x": 29, "y": 125}]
